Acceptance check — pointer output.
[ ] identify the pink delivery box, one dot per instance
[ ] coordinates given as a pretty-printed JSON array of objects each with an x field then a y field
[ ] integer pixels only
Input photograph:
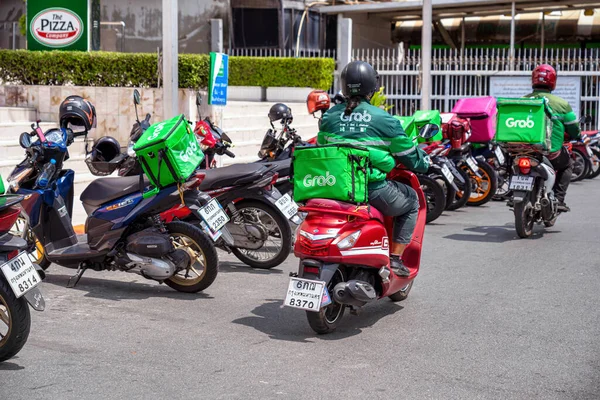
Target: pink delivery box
[{"x": 481, "y": 112}]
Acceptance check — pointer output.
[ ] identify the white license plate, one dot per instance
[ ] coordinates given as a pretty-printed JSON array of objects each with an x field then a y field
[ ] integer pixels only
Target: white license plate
[
  {"x": 499, "y": 154},
  {"x": 304, "y": 294},
  {"x": 589, "y": 151},
  {"x": 287, "y": 206},
  {"x": 447, "y": 173},
  {"x": 214, "y": 216},
  {"x": 472, "y": 163},
  {"x": 520, "y": 182},
  {"x": 21, "y": 274}
]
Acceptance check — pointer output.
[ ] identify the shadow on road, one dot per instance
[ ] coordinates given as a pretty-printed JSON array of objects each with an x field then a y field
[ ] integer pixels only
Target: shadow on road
[
  {"x": 9, "y": 366},
  {"x": 285, "y": 323},
  {"x": 117, "y": 290},
  {"x": 497, "y": 234},
  {"x": 236, "y": 267}
]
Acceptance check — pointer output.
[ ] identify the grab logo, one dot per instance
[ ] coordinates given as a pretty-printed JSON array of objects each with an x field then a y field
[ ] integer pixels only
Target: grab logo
[
  {"x": 357, "y": 117},
  {"x": 56, "y": 27},
  {"x": 520, "y": 123},
  {"x": 310, "y": 181},
  {"x": 157, "y": 131},
  {"x": 192, "y": 148}
]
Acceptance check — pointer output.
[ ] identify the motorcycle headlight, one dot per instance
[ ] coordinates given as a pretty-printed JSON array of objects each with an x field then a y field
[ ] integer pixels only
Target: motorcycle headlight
[
  {"x": 130, "y": 151},
  {"x": 349, "y": 241}
]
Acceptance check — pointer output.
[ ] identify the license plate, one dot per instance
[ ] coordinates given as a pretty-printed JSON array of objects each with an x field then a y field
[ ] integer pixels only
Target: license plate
[
  {"x": 287, "y": 206},
  {"x": 214, "y": 216},
  {"x": 305, "y": 294},
  {"x": 499, "y": 155},
  {"x": 213, "y": 235},
  {"x": 21, "y": 274},
  {"x": 589, "y": 151},
  {"x": 447, "y": 173},
  {"x": 520, "y": 182},
  {"x": 472, "y": 163}
]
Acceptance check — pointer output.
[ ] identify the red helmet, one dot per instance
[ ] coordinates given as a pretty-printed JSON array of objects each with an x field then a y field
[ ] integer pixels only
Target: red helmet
[
  {"x": 317, "y": 100},
  {"x": 544, "y": 76}
]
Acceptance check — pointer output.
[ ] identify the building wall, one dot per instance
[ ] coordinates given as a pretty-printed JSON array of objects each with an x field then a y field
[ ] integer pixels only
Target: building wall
[
  {"x": 10, "y": 11},
  {"x": 370, "y": 32}
]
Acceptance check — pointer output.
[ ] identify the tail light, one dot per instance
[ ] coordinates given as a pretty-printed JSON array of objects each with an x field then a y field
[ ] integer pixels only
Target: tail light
[
  {"x": 12, "y": 255},
  {"x": 525, "y": 165},
  {"x": 311, "y": 270},
  {"x": 8, "y": 217}
]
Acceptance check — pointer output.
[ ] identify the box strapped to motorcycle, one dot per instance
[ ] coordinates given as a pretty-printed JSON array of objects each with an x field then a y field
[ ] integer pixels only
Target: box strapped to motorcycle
[
  {"x": 337, "y": 172},
  {"x": 524, "y": 120},
  {"x": 168, "y": 152}
]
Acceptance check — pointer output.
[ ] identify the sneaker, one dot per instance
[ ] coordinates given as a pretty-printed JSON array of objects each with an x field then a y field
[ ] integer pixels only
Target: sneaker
[
  {"x": 398, "y": 267},
  {"x": 562, "y": 207}
]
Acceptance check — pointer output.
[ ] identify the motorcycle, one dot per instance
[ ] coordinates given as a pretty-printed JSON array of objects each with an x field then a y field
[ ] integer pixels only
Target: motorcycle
[
  {"x": 344, "y": 257},
  {"x": 19, "y": 281},
  {"x": 594, "y": 146},
  {"x": 582, "y": 157},
  {"x": 123, "y": 230}
]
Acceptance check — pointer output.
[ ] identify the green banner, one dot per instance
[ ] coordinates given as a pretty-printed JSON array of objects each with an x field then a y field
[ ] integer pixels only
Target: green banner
[{"x": 58, "y": 24}]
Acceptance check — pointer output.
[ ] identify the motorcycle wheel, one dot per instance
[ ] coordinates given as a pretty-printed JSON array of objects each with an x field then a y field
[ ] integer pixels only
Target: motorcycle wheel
[
  {"x": 327, "y": 320},
  {"x": 595, "y": 171},
  {"x": 524, "y": 218},
  {"x": 279, "y": 230},
  {"x": 484, "y": 188},
  {"x": 434, "y": 194},
  {"x": 202, "y": 272},
  {"x": 15, "y": 322},
  {"x": 461, "y": 200},
  {"x": 36, "y": 250},
  {"x": 402, "y": 294},
  {"x": 581, "y": 166}
]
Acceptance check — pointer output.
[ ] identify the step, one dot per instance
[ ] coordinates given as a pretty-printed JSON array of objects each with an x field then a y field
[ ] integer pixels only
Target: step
[
  {"x": 238, "y": 121},
  {"x": 248, "y": 133},
  {"x": 9, "y": 130},
  {"x": 12, "y": 150},
  {"x": 17, "y": 114},
  {"x": 258, "y": 108}
]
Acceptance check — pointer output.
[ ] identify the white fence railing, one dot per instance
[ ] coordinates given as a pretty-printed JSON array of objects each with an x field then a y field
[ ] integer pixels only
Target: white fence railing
[{"x": 262, "y": 52}]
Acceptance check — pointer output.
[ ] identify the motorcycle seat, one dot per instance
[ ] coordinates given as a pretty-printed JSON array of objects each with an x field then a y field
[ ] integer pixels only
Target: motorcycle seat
[
  {"x": 236, "y": 174},
  {"x": 364, "y": 212},
  {"x": 104, "y": 190}
]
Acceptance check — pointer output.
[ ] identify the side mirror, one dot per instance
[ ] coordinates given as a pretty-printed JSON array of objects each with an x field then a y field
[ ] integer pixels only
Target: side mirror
[
  {"x": 587, "y": 119},
  {"x": 25, "y": 140},
  {"x": 137, "y": 98},
  {"x": 198, "y": 99},
  {"x": 428, "y": 131}
]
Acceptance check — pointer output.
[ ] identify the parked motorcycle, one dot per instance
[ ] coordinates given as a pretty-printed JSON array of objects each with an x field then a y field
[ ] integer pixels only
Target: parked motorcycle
[
  {"x": 594, "y": 146},
  {"x": 19, "y": 281},
  {"x": 582, "y": 157},
  {"x": 123, "y": 231},
  {"x": 344, "y": 258}
]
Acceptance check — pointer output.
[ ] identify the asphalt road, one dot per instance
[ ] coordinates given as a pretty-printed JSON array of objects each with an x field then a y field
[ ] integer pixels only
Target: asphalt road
[{"x": 490, "y": 317}]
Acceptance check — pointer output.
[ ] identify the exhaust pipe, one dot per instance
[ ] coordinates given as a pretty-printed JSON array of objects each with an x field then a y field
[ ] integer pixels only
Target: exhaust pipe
[
  {"x": 547, "y": 209},
  {"x": 354, "y": 293}
]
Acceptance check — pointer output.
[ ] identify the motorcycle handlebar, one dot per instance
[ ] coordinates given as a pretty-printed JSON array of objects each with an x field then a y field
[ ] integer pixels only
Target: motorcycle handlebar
[{"x": 230, "y": 154}]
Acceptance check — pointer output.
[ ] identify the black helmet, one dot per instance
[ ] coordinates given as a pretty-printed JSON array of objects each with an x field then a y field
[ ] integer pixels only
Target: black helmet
[
  {"x": 105, "y": 156},
  {"x": 280, "y": 111},
  {"x": 359, "y": 78},
  {"x": 78, "y": 112}
]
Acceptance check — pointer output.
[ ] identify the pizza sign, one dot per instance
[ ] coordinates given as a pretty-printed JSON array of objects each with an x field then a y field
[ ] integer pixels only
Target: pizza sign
[{"x": 56, "y": 27}]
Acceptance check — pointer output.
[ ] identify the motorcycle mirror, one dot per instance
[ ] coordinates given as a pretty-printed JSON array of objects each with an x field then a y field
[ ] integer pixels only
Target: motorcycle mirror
[
  {"x": 25, "y": 140},
  {"x": 428, "y": 131},
  {"x": 136, "y": 101},
  {"x": 587, "y": 119}
]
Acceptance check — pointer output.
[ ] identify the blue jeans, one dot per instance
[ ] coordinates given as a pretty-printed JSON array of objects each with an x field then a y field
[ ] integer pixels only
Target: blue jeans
[{"x": 397, "y": 200}]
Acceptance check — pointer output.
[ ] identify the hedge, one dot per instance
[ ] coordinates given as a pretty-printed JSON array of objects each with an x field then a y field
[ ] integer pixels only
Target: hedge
[{"x": 140, "y": 70}]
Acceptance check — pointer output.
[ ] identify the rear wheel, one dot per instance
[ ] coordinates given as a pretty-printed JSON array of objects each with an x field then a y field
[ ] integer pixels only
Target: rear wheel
[
  {"x": 204, "y": 261},
  {"x": 434, "y": 194},
  {"x": 462, "y": 195},
  {"x": 15, "y": 322},
  {"x": 524, "y": 217},
  {"x": 328, "y": 318},
  {"x": 402, "y": 294},
  {"x": 581, "y": 166}
]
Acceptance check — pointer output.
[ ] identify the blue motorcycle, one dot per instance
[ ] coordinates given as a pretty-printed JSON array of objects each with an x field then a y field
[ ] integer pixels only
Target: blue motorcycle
[{"x": 123, "y": 230}]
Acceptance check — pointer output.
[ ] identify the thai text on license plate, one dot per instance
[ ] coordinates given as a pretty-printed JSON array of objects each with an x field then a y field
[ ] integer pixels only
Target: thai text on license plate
[
  {"x": 287, "y": 206},
  {"x": 520, "y": 182},
  {"x": 21, "y": 274},
  {"x": 472, "y": 164},
  {"x": 214, "y": 216},
  {"x": 499, "y": 155},
  {"x": 304, "y": 294}
]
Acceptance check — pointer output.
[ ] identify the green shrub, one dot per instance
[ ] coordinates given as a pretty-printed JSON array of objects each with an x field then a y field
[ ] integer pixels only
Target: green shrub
[{"x": 140, "y": 70}]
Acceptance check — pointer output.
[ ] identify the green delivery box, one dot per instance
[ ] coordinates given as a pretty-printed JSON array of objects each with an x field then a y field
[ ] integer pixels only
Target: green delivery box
[
  {"x": 409, "y": 126},
  {"x": 524, "y": 121},
  {"x": 337, "y": 172},
  {"x": 423, "y": 118},
  {"x": 168, "y": 152}
]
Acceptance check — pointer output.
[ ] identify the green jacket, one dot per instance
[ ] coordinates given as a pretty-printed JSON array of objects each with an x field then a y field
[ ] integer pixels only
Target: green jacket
[
  {"x": 564, "y": 119},
  {"x": 375, "y": 129}
]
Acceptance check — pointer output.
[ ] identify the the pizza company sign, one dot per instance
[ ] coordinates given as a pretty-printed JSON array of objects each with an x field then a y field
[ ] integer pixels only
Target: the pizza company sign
[{"x": 56, "y": 27}]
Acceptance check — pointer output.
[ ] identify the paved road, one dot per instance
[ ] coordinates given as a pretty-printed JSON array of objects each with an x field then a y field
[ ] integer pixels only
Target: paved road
[{"x": 490, "y": 317}]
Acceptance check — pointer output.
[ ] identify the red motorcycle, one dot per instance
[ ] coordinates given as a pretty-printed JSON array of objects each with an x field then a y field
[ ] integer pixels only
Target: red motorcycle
[{"x": 344, "y": 258}]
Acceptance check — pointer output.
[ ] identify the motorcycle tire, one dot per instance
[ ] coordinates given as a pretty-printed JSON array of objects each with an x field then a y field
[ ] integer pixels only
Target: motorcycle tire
[
  {"x": 16, "y": 331},
  {"x": 482, "y": 194},
  {"x": 434, "y": 194},
  {"x": 180, "y": 230},
  {"x": 328, "y": 318},
  {"x": 460, "y": 200},
  {"x": 450, "y": 196},
  {"x": 595, "y": 171},
  {"x": 402, "y": 294},
  {"x": 524, "y": 217},
  {"x": 282, "y": 225},
  {"x": 21, "y": 228},
  {"x": 581, "y": 164}
]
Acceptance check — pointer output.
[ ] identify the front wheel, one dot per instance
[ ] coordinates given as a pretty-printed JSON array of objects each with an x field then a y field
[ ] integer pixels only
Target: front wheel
[
  {"x": 595, "y": 171},
  {"x": 328, "y": 318},
  {"x": 202, "y": 270},
  {"x": 34, "y": 247},
  {"x": 483, "y": 188},
  {"x": 402, "y": 294},
  {"x": 524, "y": 218},
  {"x": 581, "y": 166},
  {"x": 464, "y": 191},
  {"x": 15, "y": 322},
  {"x": 434, "y": 194}
]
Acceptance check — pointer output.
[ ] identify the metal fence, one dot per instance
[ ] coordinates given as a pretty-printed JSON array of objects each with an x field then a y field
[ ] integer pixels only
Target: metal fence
[
  {"x": 10, "y": 35},
  {"x": 458, "y": 74},
  {"x": 263, "y": 52}
]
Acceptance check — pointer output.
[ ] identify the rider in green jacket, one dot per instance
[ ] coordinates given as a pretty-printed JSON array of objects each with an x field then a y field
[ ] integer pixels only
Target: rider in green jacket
[
  {"x": 358, "y": 122},
  {"x": 564, "y": 121}
]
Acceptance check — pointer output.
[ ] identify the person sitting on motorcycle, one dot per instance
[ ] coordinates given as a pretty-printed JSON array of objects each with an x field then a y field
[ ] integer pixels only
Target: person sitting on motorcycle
[
  {"x": 358, "y": 122},
  {"x": 564, "y": 120}
]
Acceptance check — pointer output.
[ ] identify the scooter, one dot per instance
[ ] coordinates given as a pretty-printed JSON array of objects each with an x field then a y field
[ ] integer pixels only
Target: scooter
[
  {"x": 344, "y": 256},
  {"x": 19, "y": 281},
  {"x": 123, "y": 231}
]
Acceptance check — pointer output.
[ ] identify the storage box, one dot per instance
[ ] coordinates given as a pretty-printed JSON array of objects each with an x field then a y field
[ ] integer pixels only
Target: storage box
[
  {"x": 481, "y": 112},
  {"x": 168, "y": 152},
  {"x": 524, "y": 121}
]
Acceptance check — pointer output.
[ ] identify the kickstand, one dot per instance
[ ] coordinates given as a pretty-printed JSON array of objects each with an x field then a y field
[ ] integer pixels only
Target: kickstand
[{"x": 75, "y": 278}]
